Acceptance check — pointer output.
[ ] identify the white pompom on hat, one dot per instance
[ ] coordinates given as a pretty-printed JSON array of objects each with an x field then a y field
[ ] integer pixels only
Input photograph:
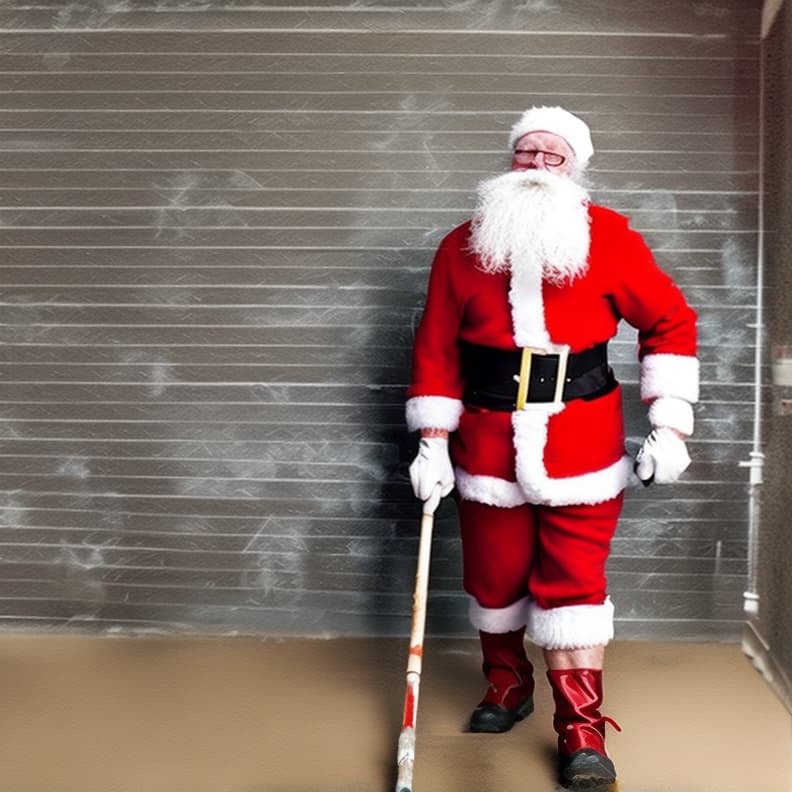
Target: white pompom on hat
[{"x": 560, "y": 122}]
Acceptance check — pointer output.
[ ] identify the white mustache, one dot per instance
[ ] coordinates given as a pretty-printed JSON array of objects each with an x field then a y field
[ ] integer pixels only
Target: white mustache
[{"x": 533, "y": 177}]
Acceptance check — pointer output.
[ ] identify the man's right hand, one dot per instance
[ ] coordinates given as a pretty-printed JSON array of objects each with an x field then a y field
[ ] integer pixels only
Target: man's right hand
[{"x": 432, "y": 466}]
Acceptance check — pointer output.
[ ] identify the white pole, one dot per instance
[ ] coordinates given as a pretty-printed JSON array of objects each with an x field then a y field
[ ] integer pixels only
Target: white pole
[{"x": 405, "y": 756}]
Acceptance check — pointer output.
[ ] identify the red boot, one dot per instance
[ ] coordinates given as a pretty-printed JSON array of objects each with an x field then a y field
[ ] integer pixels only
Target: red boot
[
  {"x": 509, "y": 697},
  {"x": 583, "y": 761}
]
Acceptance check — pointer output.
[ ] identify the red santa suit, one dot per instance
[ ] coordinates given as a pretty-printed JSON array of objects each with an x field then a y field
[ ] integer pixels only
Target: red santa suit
[{"x": 557, "y": 455}]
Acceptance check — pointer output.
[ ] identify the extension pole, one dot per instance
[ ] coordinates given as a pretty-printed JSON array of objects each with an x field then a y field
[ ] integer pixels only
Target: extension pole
[{"x": 406, "y": 752}]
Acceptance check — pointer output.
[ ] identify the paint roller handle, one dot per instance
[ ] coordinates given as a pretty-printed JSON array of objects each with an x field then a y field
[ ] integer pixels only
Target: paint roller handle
[{"x": 406, "y": 750}]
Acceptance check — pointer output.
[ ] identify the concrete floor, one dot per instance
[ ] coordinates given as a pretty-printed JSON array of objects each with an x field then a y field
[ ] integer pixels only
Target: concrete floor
[{"x": 89, "y": 714}]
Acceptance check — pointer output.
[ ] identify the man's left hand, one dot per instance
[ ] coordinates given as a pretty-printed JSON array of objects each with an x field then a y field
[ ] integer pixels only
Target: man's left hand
[{"x": 663, "y": 457}]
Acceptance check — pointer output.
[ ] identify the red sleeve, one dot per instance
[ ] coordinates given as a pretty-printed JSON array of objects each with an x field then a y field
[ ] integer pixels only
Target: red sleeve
[
  {"x": 650, "y": 301},
  {"x": 436, "y": 363}
]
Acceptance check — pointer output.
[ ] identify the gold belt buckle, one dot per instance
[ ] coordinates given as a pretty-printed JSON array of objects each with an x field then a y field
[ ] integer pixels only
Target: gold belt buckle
[{"x": 525, "y": 373}]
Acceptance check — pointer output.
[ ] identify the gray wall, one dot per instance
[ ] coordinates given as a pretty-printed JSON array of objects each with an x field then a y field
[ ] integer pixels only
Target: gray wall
[
  {"x": 769, "y": 636},
  {"x": 216, "y": 227}
]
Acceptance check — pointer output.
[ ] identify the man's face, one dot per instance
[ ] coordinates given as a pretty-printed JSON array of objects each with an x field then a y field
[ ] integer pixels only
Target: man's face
[{"x": 543, "y": 151}]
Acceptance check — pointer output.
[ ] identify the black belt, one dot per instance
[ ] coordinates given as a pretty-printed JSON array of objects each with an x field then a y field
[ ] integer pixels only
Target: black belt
[{"x": 504, "y": 379}]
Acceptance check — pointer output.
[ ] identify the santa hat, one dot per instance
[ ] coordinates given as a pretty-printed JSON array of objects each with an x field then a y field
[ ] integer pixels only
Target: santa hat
[{"x": 560, "y": 122}]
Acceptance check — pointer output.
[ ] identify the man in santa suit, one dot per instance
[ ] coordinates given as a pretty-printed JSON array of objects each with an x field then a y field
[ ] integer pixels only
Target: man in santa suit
[{"x": 516, "y": 404}]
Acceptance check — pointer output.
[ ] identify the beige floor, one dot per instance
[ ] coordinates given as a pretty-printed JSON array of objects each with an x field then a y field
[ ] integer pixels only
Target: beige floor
[{"x": 88, "y": 714}]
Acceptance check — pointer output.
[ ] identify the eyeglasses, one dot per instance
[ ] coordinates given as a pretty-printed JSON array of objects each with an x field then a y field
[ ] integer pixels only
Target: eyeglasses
[{"x": 551, "y": 158}]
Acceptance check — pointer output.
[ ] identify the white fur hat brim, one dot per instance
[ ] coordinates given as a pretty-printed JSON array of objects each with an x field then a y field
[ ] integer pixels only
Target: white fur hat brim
[{"x": 560, "y": 122}]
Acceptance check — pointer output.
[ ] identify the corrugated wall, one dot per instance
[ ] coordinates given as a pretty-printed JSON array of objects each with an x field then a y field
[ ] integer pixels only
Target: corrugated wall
[
  {"x": 769, "y": 636},
  {"x": 216, "y": 224}
]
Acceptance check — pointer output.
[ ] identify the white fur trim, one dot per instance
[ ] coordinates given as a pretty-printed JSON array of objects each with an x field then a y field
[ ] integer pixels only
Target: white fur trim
[
  {"x": 560, "y": 122},
  {"x": 675, "y": 413},
  {"x": 499, "y": 620},
  {"x": 572, "y": 626},
  {"x": 596, "y": 487},
  {"x": 488, "y": 489},
  {"x": 433, "y": 412},
  {"x": 670, "y": 375},
  {"x": 530, "y": 438},
  {"x": 527, "y": 307}
]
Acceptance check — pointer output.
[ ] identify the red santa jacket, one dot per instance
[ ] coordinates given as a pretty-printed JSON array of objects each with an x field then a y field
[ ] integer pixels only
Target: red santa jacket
[{"x": 551, "y": 453}]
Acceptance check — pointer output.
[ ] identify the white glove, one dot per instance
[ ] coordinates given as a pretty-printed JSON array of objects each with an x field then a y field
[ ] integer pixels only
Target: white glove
[
  {"x": 431, "y": 466},
  {"x": 663, "y": 457}
]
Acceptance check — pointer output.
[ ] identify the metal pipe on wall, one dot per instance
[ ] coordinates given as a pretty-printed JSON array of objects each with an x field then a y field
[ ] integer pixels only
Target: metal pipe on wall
[{"x": 755, "y": 461}]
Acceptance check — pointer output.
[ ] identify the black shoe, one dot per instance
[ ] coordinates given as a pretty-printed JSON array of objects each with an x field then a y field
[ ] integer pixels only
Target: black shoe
[
  {"x": 585, "y": 769},
  {"x": 495, "y": 719}
]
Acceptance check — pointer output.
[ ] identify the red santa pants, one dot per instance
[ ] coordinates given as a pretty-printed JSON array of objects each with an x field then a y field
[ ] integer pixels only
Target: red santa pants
[{"x": 553, "y": 554}]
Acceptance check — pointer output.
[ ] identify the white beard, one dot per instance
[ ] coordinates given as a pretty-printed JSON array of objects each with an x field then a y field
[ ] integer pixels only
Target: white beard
[{"x": 532, "y": 221}]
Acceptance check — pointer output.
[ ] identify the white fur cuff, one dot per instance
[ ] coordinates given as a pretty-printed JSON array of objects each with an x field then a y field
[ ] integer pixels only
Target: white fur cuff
[
  {"x": 433, "y": 412},
  {"x": 674, "y": 413},
  {"x": 571, "y": 627},
  {"x": 670, "y": 375},
  {"x": 499, "y": 620}
]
